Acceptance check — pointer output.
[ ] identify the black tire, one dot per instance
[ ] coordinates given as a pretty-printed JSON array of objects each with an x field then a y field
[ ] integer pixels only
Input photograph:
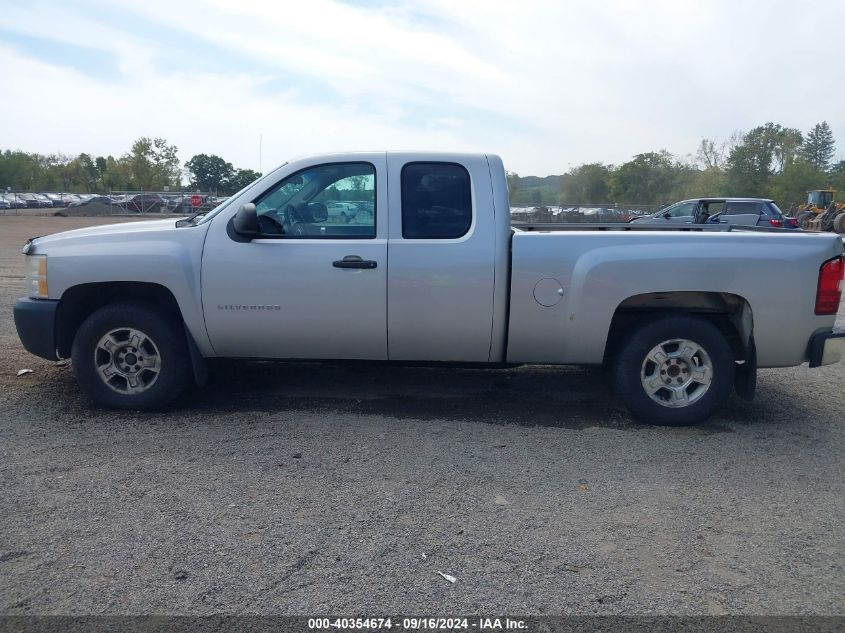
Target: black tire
[
  {"x": 803, "y": 219},
  {"x": 839, "y": 223},
  {"x": 630, "y": 365},
  {"x": 167, "y": 335}
]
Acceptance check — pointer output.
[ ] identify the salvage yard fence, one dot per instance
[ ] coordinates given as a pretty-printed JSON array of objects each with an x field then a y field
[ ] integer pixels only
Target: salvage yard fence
[
  {"x": 189, "y": 202},
  {"x": 582, "y": 213},
  {"x": 111, "y": 203}
]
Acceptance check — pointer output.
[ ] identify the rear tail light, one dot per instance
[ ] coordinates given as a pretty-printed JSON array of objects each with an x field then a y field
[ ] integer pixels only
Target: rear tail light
[
  {"x": 791, "y": 223},
  {"x": 830, "y": 285},
  {"x": 777, "y": 223}
]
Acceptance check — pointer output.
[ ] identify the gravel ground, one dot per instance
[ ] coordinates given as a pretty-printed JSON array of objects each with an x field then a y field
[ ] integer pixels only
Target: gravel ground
[{"x": 301, "y": 489}]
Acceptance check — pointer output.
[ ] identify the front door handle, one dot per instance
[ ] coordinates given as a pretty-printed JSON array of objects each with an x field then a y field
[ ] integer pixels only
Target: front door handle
[{"x": 354, "y": 261}]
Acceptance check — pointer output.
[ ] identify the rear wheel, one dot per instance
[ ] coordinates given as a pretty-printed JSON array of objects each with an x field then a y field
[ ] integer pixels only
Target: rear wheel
[
  {"x": 674, "y": 370},
  {"x": 839, "y": 223},
  {"x": 131, "y": 355}
]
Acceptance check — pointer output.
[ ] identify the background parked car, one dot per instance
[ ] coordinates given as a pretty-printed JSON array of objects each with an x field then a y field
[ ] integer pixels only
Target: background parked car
[
  {"x": 145, "y": 203},
  {"x": 738, "y": 211},
  {"x": 43, "y": 200},
  {"x": 55, "y": 198},
  {"x": 341, "y": 211},
  {"x": 14, "y": 202},
  {"x": 31, "y": 201},
  {"x": 92, "y": 200}
]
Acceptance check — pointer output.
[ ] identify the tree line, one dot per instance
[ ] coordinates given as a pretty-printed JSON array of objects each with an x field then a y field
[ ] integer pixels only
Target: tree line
[
  {"x": 152, "y": 164},
  {"x": 769, "y": 161}
]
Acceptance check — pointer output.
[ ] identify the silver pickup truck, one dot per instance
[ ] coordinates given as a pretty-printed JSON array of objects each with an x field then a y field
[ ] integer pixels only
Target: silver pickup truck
[{"x": 429, "y": 268}]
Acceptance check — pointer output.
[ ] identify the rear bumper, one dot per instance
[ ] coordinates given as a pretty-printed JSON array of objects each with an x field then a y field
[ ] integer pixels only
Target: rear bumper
[
  {"x": 35, "y": 320},
  {"x": 826, "y": 348}
]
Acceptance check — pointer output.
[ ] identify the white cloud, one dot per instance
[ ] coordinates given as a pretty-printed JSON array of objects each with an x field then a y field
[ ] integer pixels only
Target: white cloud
[{"x": 545, "y": 84}]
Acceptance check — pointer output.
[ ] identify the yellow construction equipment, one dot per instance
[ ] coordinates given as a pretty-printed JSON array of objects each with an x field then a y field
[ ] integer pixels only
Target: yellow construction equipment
[{"x": 821, "y": 212}]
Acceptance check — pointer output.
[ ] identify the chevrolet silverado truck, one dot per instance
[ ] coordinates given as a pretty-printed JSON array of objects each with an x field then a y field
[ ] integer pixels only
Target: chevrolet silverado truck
[{"x": 430, "y": 268}]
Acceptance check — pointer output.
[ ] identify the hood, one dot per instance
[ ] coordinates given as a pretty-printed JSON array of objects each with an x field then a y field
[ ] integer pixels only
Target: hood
[
  {"x": 120, "y": 228},
  {"x": 121, "y": 231}
]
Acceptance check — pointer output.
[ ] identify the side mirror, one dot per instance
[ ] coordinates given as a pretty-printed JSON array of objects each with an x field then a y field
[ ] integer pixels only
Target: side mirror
[
  {"x": 245, "y": 221},
  {"x": 667, "y": 215}
]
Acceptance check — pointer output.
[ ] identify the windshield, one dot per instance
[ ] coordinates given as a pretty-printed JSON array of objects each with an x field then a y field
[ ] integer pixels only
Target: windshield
[{"x": 279, "y": 197}]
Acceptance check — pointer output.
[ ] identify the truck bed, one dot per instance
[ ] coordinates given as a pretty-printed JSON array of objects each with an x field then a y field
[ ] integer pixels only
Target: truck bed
[{"x": 568, "y": 281}]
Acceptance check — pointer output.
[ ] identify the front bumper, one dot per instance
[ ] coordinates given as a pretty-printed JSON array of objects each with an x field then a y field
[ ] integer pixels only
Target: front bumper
[
  {"x": 826, "y": 348},
  {"x": 35, "y": 320}
]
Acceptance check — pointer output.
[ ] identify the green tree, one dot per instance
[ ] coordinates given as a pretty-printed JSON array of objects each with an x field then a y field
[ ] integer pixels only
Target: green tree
[
  {"x": 703, "y": 183},
  {"x": 791, "y": 185},
  {"x": 20, "y": 171},
  {"x": 101, "y": 164},
  {"x": 359, "y": 182},
  {"x": 710, "y": 154},
  {"x": 647, "y": 179},
  {"x": 240, "y": 179},
  {"x": 836, "y": 179},
  {"x": 209, "y": 172},
  {"x": 589, "y": 183},
  {"x": 82, "y": 173},
  {"x": 117, "y": 175},
  {"x": 763, "y": 152},
  {"x": 153, "y": 164},
  {"x": 819, "y": 147}
]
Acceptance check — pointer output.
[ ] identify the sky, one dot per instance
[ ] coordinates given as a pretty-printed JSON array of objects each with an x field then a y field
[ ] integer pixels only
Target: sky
[{"x": 548, "y": 85}]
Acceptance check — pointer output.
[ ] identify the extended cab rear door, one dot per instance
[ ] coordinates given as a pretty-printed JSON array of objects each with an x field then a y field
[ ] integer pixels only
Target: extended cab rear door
[{"x": 441, "y": 256}]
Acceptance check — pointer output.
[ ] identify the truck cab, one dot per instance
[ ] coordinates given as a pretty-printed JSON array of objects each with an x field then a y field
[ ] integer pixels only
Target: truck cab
[{"x": 438, "y": 227}]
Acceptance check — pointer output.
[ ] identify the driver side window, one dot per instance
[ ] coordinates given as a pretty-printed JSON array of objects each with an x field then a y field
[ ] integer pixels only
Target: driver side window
[{"x": 335, "y": 201}]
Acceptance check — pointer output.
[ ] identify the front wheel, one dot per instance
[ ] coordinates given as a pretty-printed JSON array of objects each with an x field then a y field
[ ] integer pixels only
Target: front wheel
[
  {"x": 675, "y": 371},
  {"x": 131, "y": 355}
]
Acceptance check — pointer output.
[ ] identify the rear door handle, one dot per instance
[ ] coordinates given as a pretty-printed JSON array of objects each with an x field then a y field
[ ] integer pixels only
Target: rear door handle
[{"x": 354, "y": 261}]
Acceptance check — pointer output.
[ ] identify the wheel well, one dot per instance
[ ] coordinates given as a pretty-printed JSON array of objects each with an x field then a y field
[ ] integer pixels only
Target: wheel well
[
  {"x": 730, "y": 313},
  {"x": 79, "y": 302}
]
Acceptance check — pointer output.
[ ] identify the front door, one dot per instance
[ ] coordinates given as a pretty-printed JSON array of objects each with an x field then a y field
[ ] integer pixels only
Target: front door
[
  {"x": 314, "y": 283},
  {"x": 681, "y": 213}
]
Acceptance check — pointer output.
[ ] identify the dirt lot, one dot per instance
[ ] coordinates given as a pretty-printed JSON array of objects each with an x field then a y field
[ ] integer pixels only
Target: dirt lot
[{"x": 296, "y": 488}]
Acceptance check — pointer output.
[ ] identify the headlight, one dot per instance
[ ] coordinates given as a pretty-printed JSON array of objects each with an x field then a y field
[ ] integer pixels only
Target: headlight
[{"x": 36, "y": 276}]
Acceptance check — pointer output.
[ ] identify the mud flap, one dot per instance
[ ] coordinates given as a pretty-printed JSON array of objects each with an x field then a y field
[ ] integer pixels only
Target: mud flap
[
  {"x": 198, "y": 363},
  {"x": 745, "y": 376}
]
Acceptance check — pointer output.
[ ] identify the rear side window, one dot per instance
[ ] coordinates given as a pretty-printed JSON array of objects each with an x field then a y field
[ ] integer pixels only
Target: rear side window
[
  {"x": 436, "y": 201},
  {"x": 742, "y": 208},
  {"x": 772, "y": 209}
]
